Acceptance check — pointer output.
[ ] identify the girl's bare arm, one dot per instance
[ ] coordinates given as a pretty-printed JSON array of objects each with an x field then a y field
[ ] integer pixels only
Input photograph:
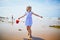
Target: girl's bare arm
[
  {"x": 22, "y": 16},
  {"x": 37, "y": 15}
]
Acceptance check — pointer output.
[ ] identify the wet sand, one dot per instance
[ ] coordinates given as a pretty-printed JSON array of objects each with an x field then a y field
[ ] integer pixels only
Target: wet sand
[{"x": 39, "y": 32}]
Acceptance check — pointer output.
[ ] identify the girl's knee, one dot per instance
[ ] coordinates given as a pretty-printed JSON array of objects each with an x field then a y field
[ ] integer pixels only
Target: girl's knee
[{"x": 28, "y": 28}]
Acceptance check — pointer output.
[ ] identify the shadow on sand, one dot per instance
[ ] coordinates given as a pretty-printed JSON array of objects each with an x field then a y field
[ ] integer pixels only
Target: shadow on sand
[{"x": 34, "y": 38}]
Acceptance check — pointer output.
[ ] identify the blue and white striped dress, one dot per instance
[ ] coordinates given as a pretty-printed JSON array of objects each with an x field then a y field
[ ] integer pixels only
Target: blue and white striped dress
[{"x": 28, "y": 21}]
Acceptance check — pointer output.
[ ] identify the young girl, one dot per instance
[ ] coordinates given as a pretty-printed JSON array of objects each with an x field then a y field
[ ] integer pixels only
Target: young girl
[{"x": 28, "y": 21}]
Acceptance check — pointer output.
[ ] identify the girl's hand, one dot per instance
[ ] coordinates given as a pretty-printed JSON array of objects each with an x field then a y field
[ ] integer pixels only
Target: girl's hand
[
  {"x": 18, "y": 18},
  {"x": 41, "y": 17}
]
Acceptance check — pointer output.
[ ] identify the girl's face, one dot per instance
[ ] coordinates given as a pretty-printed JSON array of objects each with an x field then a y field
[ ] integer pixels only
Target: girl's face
[{"x": 28, "y": 9}]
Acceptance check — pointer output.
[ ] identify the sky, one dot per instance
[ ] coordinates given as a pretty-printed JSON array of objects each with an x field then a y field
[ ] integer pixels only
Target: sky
[{"x": 45, "y": 8}]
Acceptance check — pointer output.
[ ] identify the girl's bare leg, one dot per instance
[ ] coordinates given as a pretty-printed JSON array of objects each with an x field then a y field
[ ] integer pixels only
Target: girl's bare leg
[{"x": 29, "y": 30}]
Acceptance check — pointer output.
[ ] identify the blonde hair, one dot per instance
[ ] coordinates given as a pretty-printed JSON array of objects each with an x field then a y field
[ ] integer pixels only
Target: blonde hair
[{"x": 28, "y": 7}]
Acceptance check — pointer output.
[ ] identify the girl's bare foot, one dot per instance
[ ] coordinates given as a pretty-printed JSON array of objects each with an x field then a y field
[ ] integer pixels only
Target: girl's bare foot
[{"x": 29, "y": 35}]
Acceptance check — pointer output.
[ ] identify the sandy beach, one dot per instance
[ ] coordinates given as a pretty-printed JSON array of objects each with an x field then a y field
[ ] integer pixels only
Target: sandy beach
[
  {"x": 40, "y": 31},
  {"x": 45, "y": 19}
]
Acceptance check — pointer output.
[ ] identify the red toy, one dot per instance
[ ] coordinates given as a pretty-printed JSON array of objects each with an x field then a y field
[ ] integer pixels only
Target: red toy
[{"x": 17, "y": 21}]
